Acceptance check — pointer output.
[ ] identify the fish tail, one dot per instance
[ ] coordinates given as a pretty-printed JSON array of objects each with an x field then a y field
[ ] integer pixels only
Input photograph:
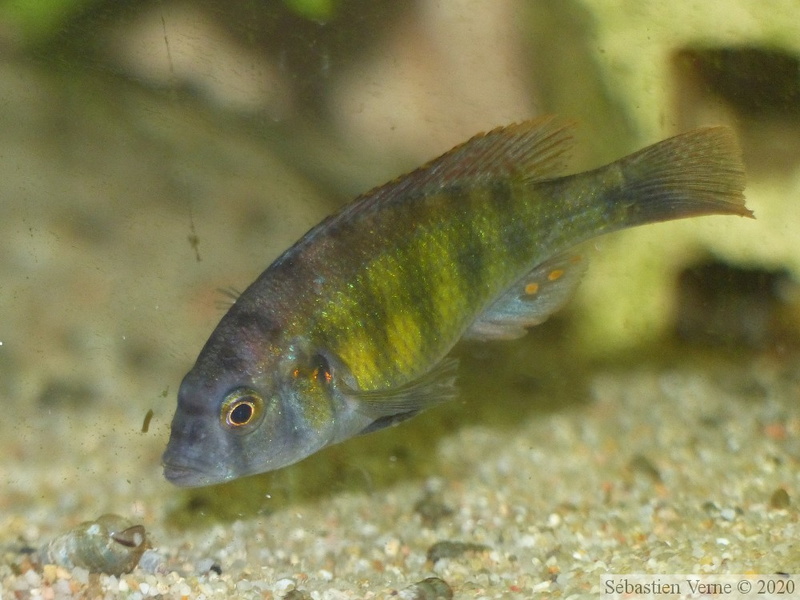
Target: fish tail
[{"x": 696, "y": 173}]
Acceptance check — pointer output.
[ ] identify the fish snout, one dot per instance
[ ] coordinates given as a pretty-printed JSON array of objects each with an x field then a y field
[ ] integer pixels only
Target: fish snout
[{"x": 187, "y": 461}]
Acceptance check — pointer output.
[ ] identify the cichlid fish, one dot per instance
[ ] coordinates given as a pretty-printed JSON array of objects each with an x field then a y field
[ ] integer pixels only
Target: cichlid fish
[{"x": 349, "y": 330}]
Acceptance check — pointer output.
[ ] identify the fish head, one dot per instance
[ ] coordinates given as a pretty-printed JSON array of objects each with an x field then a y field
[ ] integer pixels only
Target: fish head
[{"x": 253, "y": 402}]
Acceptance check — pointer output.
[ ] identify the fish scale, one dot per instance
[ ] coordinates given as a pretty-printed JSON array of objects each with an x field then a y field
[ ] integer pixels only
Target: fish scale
[
  {"x": 425, "y": 292},
  {"x": 451, "y": 270},
  {"x": 349, "y": 330}
]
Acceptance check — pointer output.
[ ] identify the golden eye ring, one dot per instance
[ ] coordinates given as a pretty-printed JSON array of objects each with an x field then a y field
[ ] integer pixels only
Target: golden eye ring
[{"x": 241, "y": 410}]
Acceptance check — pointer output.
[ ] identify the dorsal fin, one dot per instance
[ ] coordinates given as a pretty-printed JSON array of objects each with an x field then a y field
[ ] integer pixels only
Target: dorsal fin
[{"x": 530, "y": 150}]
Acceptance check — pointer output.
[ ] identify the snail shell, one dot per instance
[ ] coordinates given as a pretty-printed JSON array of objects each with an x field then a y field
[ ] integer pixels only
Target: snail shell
[{"x": 108, "y": 545}]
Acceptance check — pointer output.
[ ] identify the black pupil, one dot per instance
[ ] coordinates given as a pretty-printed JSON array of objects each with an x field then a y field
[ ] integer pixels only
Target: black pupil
[{"x": 242, "y": 413}]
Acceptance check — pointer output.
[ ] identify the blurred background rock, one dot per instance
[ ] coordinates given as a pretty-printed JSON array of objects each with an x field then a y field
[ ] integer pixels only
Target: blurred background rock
[{"x": 344, "y": 95}]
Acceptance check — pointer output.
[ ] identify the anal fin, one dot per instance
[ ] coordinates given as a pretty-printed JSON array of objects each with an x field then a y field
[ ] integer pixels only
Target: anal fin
[{"x": 531, "y": 300}]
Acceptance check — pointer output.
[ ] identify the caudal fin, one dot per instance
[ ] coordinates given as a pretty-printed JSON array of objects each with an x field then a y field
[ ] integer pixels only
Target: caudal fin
[{"x": 696, "y": 173}]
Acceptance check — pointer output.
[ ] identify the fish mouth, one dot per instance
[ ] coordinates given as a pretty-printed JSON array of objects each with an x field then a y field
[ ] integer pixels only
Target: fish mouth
[
  {"x": 181, "y": 475},
  {"x": 186, "y": 476}
]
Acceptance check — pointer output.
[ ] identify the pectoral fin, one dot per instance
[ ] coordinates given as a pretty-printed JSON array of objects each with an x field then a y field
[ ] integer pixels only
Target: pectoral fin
[
  {"x": 531, "y": 300},
  {"x": 387, "y": 407}
]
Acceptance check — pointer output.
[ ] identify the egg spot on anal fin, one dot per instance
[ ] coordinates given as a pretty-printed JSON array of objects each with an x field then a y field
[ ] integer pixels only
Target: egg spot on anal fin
[{"x": 530, "y": 300}]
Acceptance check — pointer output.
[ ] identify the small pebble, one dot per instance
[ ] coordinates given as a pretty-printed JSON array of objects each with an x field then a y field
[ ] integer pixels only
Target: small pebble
[
  {"x": 431, "y": 509},
  {"x": 153, "y": 562},
  {"x": 431, "y": 588},
  {"x": 50, "y": 573},
  {"x": 283, "y": 586},
  {"x": 33, "y": 579},
  {"x": 80, "y": 575},
  {"x": 297, "y": 595},
  {"x": 204, "y": 565},
  {"x": 61, "y": 588},
  {"x": 639, "y": 463},
  {"x": 447, "y": 549},
  {"x": 779, "y": 499}
]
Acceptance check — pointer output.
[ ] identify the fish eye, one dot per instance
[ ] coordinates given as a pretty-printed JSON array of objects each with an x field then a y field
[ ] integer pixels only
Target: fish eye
[{"x": 241, "y": 407}]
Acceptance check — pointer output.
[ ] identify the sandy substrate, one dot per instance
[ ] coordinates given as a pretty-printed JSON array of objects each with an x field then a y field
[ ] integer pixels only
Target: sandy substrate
[
  {"x": 670, "y": 470},
  {"x": 547, "y": 473}
]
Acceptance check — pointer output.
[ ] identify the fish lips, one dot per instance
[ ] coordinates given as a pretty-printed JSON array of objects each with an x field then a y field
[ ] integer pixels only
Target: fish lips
[
  {"x": 187, "y": 472},
  {"x": 184, "y": 475}
]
